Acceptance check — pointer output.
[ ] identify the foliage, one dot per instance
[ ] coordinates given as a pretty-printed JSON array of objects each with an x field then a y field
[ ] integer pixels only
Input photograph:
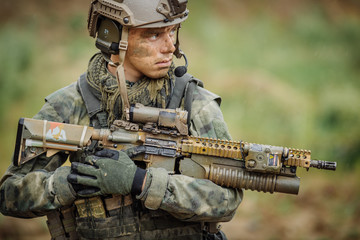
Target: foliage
[
  {"x": 288, "y": 74},
  {"x": 16, "y": 55},
  {"x": 287, "y": 78}
]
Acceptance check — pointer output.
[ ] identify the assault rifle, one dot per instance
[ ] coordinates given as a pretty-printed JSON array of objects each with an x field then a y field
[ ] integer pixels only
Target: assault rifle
[{"x": 159, "y": 138}]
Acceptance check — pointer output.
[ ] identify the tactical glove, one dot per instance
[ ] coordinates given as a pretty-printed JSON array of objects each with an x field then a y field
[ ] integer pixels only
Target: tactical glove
[
  {"x": 63, "y": 191},
  {"x": 108, "y": 172}
]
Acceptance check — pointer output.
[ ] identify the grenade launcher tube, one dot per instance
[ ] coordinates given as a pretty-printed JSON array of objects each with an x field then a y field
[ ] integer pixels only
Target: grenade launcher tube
[
  {"x": 231, "y": 173},
  {"x": 242, "y": 179}
]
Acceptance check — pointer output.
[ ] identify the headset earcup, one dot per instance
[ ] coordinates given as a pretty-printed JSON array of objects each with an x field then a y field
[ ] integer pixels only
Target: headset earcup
[{"x": 108, "y": 36}]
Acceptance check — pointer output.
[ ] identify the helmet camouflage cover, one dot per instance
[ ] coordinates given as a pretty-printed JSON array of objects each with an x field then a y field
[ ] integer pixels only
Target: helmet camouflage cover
[{"x": 137, "y": 13}]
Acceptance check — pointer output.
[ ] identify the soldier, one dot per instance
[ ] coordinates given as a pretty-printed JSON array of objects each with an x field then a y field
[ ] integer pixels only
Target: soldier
[{"x": 137, "y": 41}]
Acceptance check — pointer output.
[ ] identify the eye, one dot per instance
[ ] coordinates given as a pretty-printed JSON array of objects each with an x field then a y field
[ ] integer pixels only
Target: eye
[
  {"x": 154, "y": 36},
  {"x": 173, "y": 31}
]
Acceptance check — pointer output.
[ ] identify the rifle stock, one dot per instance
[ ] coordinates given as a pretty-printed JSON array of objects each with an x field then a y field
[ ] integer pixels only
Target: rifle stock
[{"x": 164, "y": 143}]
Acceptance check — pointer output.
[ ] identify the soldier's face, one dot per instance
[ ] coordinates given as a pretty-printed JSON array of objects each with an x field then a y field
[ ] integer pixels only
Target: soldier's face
[{"x": 150, "y": 52}]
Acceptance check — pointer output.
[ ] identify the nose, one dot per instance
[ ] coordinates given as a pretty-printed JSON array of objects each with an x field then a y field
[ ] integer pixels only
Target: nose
[{"x": 168, "y": 44}]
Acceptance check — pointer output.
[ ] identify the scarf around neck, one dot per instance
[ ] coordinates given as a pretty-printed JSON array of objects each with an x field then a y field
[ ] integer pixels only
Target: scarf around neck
[{"x": 147, "y": 91}]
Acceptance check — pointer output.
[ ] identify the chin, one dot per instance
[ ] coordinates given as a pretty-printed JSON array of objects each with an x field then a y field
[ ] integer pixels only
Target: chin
[{"x": 158, "y": 74}]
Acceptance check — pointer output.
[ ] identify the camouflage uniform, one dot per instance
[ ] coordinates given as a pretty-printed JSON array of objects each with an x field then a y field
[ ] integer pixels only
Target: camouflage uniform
[{"x": 28, "y": 190}]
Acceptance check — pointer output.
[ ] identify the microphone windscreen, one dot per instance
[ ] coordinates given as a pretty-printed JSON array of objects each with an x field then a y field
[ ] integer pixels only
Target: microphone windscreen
[{"x": 180, "y": 71}]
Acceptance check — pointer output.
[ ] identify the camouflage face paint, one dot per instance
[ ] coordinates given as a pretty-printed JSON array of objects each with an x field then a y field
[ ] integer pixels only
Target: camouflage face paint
[
  {"x": 140, "y": 50},
  {"x": 150, "y": 52}
]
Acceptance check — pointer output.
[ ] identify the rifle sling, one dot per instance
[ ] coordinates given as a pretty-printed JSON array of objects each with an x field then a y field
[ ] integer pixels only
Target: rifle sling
[{"x": 93, "y": 105}]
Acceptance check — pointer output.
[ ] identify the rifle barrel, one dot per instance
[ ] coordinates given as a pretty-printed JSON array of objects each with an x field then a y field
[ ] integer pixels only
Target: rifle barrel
[{"x": 323, "y": 165}]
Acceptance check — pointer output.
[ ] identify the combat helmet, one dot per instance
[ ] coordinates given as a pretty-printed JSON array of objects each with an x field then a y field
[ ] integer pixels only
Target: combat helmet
[{"x": 109, "y": 20}]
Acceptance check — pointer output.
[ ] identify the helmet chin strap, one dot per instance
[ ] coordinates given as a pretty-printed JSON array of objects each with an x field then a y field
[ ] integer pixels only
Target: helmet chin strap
[
  {"x": 177, "y": 53},
  {"x": 120, "y": 72}
]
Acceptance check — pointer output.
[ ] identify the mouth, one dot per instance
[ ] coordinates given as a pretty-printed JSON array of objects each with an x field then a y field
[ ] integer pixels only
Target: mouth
[{"x": 165, "y": 63}]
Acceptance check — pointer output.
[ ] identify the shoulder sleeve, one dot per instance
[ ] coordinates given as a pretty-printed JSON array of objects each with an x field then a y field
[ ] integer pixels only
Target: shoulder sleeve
[
  {"x": 206, "y": 117},
  {"x": 190, "y": 199},
  {"x": 28, "y": 190},
  {"x": 65, "y": 105}
]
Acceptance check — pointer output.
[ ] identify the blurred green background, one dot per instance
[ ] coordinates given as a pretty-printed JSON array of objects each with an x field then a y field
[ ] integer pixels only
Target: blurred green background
[{"x": 288, "y": 73}]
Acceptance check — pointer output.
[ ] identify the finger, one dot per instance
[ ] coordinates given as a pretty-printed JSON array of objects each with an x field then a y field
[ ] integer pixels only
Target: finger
[
  {"x": 134, "y": 151},
  {"x": 76, "y": 187},
  {"x": 108, "y": 153},
  {"x": 104, "y": 153},
  {"x": 89, "y": 192},
  {"x": 83, "y": 180},
  {"x": 74, "y": 166},
  {"x": 72, "y": 178},
  {"x": 87, "y": 180},
  {"x": 84, "y": 169},
  {"x": 79, "y": 188}
]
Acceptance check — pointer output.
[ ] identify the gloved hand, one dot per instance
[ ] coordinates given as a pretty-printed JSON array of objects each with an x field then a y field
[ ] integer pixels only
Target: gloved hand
[
  {"x": 63, "y": 191},
  {"x": 108, "y": 172}
]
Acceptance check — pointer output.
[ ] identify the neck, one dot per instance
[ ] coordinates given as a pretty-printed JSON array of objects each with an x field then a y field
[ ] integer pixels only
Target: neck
[{"x": 129, "y": 75}]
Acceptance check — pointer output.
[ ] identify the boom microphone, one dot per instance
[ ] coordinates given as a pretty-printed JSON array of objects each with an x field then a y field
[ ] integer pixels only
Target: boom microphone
[{"x": 181, "y": 70}]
